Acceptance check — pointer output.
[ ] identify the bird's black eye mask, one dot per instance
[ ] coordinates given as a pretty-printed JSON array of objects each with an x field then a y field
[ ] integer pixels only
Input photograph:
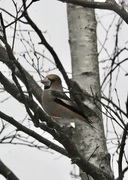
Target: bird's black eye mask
[
  {"x": 50, "y": 82},
  {"x": 47, "y": 86}
]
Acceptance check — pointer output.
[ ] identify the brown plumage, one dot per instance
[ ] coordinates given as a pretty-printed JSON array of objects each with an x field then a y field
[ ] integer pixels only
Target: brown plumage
[{"x": 58, "y": 105}]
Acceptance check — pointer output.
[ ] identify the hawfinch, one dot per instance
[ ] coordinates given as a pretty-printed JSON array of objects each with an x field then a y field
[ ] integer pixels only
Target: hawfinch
[{"x": 58, "y": 105}]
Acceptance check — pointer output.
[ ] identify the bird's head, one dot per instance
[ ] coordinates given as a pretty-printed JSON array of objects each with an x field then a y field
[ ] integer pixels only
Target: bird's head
[{"x": 53, "y": 82}]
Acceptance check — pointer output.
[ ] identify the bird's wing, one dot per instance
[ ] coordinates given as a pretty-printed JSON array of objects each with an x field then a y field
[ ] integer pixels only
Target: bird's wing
[
  {"x": 61, "y": 95},
  {"x": 62, "y": 99}
]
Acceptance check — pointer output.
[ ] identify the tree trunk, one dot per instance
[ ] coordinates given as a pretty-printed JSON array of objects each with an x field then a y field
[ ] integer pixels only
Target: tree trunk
[{"x": 83, "y": 44}]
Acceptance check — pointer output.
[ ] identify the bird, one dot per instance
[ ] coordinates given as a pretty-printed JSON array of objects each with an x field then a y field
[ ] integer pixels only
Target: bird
[{"x": 58, "y": 105}]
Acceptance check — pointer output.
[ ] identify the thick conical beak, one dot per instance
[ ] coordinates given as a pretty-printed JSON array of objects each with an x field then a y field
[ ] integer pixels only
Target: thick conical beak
[{"x": 46, "y": 82}]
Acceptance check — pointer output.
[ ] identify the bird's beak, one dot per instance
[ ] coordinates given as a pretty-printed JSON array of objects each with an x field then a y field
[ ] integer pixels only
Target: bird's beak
[{"x": 46, "y": 81}]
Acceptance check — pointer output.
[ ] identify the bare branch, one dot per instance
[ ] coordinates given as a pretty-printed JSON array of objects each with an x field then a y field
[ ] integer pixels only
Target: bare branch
[
  {"x": 22, "y": 74},
  {"x": 108, "y": 4},
  {"x": 46, "y": 44},
  {"x": 33, "y": 134},
  {"x": 69, "y": 145},
  {"x": 13, "y": 90},
  {"x": 6, "y": 172}
]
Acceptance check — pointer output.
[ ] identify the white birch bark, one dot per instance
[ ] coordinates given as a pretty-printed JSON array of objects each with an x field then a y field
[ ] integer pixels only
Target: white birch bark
[{"x": 83, "y": 44}]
